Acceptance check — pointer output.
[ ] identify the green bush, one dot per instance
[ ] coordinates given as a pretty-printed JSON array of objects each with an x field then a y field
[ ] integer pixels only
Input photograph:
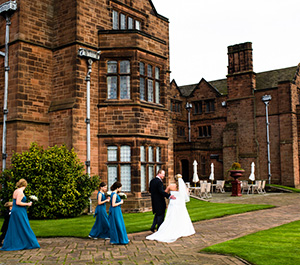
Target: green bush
[{"x": 56, "y": 176}]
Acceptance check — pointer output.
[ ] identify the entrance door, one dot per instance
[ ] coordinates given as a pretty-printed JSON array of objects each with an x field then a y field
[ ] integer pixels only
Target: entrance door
[{"x": 185, "y": 170}]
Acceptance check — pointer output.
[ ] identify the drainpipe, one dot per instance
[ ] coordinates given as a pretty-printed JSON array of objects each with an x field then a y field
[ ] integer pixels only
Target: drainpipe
[
  {"x": 6, "y": 10},
  {"x": 90, "y": 56}
]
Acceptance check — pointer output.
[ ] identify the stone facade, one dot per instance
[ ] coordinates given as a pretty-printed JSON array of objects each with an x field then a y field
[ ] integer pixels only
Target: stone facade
[
  {"x": 138, "y": 118},
  {"x": 228, "y": 121},
  {"x": 47, "y": 87}
]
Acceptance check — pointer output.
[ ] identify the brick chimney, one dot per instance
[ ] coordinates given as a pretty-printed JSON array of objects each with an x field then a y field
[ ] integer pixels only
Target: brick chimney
[{"x": 240, "y": 58}]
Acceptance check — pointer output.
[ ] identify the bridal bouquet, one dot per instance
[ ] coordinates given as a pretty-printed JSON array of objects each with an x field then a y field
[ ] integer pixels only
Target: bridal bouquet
[
  {"x": 121, "y": 194},
  {"x": 33, "y": 198}
]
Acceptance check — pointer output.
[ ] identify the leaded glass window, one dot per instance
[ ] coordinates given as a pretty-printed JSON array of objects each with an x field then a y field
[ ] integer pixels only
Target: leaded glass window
[
  {"x": 115, "y": 17},
  {"x": 125, "y": 67},
  {"x": 122, "y": 21},
  {"x": 126, "y": 177},
  {"x": 143, "y": 153},
  {"x": 157, "y": 93},
  {"x": 143, "y": 178},
  {"x": 150, "y": 90},
  {"x": 111, "y": 87},
  {"x": 158, "y": 154},
  {"x": 150, "y": 154},
  {"x": 137, "y": 25},
  {"x": 149, "y": 70},
  {"x": 130, "y": 23},
  {"x": 125, "y": 153},
  {"x": 142, "y": 88},
  {"x": 112, "y": 152},
  {"x": 112, "y": 67},
  {"x": 112, "y": 172},
  {"x": 125, "y": 87},
  {"x": 150, "y": 173}
]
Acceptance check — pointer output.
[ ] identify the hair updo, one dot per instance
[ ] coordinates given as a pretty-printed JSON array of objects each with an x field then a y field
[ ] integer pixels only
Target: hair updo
[
  {"x": 116, "y": 185},
  {"x": 21, "y": 183}
]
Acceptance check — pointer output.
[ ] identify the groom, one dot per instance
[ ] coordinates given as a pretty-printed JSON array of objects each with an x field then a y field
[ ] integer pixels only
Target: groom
[{"x": 158, "y": 196}]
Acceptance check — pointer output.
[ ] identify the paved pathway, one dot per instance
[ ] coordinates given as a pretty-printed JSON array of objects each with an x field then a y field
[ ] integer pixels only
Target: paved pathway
[{"x": 183, "y": 251}]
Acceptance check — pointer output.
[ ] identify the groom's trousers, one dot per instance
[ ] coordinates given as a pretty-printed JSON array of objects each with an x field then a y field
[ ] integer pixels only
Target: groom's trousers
[{"x": 158, "y": 220}]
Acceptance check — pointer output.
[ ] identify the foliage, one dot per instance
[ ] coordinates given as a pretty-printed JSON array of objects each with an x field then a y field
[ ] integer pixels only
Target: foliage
[
  {"x": 136, "y": 222},
  {"x": 56, "y": 176},
  {"x": 236, "y": 166},
  {"x": 279, "y": 245}
]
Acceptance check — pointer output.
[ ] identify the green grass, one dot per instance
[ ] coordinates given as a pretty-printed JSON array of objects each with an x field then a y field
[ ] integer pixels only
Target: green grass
[
  {"x": 280, "y": 245},
  {"x": 285, "y": 187},
  {"x": 136, "y": 222}
]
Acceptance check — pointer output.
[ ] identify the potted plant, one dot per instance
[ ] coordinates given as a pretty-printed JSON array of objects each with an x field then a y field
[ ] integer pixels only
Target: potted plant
[{"x": 236, "y": 171}]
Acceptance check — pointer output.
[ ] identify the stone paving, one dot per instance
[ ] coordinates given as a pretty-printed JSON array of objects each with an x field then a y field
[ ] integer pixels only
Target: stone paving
[{"x": 183, "y": 251}]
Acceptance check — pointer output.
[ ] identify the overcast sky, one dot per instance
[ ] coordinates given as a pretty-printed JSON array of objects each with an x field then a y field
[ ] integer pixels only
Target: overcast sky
[{"x": 201, "y": 31}]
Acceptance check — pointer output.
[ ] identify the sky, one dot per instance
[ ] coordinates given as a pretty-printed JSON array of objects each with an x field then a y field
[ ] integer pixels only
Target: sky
[{"x": 201, "y": 31}]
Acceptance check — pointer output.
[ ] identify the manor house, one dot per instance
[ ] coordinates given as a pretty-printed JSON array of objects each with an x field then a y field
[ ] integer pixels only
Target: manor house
[{"x": 138, "y": 121}]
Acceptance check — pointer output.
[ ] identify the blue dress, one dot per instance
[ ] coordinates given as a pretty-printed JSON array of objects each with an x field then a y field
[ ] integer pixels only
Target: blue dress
[
  {"x": 118, "y": 234},
  {"x": 19, "y": 234},
  {"x": 100, "y": 228}
]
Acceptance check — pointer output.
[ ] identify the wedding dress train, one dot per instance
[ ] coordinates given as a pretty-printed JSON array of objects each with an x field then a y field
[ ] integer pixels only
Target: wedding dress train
[{"x": 177, "y": 222}]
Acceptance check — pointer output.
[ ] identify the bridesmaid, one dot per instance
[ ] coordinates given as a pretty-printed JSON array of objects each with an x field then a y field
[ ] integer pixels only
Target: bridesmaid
[
  {"x": 101, "y": 225},
  {"x": 19, "y": 234},
  {"x": 118, "y": 234}
]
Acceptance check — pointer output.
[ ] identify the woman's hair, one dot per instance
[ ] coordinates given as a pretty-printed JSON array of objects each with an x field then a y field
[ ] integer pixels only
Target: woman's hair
[
  {"x": 21, "y": 183},
  {"x": 102, "y": 184},
  {"x": 116, "y": 185},
  {"x": 176, "y": 177}
]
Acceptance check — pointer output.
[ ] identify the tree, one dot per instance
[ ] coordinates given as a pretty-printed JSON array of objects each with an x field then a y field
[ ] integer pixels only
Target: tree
[{"x": 56, "y": 176}]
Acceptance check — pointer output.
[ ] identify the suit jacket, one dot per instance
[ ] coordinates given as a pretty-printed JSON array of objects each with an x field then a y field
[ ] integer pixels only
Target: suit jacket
[
  {"x": 158, "y": 196},
  {"x": 6, "y": 220}
]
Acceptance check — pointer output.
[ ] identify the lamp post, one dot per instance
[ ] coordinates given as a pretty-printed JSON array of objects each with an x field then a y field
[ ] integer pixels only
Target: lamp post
[
  {"x": 6, "y": 10},
  {"x": 90, "y": 56},
  {"x": 188, "y": 107},
  {"x": 266, "y": 99}
]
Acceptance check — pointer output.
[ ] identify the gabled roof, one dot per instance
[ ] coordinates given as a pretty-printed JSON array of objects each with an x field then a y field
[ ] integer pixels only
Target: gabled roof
[
  {"x": 155, "y": 12},
  {"x": 264, "y": 80}
]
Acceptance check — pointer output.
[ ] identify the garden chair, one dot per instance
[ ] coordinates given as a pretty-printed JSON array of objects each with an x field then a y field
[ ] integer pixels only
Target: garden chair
[
  {"x": 220, "y": 186},
  {"x": 245, "y": 186},
  {"x": 202, "y": 193},
  {"x": 256, "y": 187},
  {"x": 263, "y": 185},
  {"x": 208, "y": 190}
]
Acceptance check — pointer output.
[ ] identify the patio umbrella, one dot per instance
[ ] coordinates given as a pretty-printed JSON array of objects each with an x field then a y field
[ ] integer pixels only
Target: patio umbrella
[
  {"x": 252, "y": 176},
  {"x": 195, "y": 175},
  {"x": 212, "y": 175}
]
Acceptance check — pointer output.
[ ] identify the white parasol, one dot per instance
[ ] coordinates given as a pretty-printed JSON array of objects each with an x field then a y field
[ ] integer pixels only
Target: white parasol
[
  {"x": 195, "y": 175},
  {"x": 212, "y": 175},
  {"x": 252, "y": 176}
]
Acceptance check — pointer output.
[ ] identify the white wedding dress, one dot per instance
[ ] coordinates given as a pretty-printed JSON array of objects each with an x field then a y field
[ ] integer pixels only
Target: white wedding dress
[{"x": 177, "y": 222}]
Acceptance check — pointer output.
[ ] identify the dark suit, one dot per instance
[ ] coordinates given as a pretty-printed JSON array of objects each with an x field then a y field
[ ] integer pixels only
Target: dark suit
[
  {"x": 158, "y": 196},
  {"x": 5, "y": 225}
]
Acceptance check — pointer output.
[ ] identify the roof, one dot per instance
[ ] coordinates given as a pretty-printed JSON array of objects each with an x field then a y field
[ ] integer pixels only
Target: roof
[{"x": 264, "y": 80}]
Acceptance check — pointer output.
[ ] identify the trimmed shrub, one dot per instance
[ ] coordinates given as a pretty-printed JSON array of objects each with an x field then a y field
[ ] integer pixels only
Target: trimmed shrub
[{"x": 56, "y": 176}]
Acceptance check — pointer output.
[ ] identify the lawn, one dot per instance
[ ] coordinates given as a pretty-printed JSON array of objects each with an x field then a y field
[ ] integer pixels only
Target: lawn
[
  {"x": 279, "y": 245},
  {"x": 136, "y": 222}
]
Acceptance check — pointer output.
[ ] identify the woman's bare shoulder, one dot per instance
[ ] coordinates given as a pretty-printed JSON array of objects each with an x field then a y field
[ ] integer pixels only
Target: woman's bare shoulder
[{"x": 173, "y": 186}]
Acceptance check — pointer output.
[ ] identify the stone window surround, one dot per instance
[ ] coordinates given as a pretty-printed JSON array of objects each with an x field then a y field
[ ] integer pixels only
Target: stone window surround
[
  {"x": 207, "y": 104},
  {"x": 153, "y": 76},
  {"x": 118, "y": 76},
  {"x": 154, "y": 165},
  {"x": 204, "y": 131},
  {"x": 118, "y": 164},
  {"x": 117, "y": 24}
]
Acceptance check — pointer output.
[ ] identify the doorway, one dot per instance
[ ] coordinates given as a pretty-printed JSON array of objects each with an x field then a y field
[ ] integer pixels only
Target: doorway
[{"x": 185, "y": 170}]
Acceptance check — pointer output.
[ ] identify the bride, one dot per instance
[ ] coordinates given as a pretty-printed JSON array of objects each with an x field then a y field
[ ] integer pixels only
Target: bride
[{"x": 177, "y": 222}]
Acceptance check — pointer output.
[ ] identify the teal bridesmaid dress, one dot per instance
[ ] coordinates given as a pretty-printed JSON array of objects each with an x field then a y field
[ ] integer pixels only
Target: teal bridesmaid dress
[
  {"x": 118, "y": 234},
  {"x": 100, "y": 228},
  {"x": 19, "y": 233}
]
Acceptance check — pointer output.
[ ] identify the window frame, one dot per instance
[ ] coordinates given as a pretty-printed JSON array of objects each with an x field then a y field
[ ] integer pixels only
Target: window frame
[{"x": 119, "y": 77}]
